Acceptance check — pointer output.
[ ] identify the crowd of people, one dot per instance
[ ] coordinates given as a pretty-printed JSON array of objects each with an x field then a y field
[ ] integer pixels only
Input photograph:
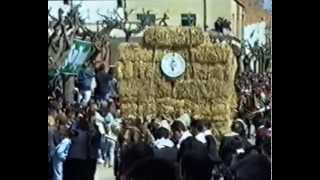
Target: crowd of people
[
  {"x": 90, "y": 131},
  {"x": 254, "y": 90}
]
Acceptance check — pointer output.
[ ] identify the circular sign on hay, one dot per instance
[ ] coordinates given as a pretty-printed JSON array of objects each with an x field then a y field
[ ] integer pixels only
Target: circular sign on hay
[{"x": 173, "y": 65}]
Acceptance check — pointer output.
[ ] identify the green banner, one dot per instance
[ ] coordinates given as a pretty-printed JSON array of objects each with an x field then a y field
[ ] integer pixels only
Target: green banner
[{"x": 79, "y": 54}]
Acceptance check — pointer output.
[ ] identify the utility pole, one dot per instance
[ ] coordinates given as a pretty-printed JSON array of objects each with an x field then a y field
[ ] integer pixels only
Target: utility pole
[{"x": 205, "y": 15}]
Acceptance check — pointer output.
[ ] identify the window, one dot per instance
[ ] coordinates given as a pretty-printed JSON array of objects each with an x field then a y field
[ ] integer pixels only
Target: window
[
  {"x": 188, "y": 19},
  {"x": 147, "y": 19}
]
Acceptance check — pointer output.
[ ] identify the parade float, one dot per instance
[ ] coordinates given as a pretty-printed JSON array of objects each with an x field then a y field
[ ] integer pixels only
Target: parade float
[{"x": 177, "y": 69}]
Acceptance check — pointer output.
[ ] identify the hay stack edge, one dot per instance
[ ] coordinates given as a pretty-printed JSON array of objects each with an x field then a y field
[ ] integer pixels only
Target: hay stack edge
[{"x": 206, "y": 89}]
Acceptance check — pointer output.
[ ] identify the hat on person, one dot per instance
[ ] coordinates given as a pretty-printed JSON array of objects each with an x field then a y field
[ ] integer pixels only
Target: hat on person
[
  {"x": 243, "y": 124},
  {"x": 51, "y": 121},
  {"x": 131, "y": 116},
  {"x": 185, "y": 119},
  {"x": 165, "y": 124}
]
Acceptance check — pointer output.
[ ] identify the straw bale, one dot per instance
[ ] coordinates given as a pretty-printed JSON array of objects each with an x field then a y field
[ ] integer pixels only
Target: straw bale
[
  {"x": 129, "y": 109},
  {"x": 134, "y": 52},
  {"x": 120, "y": 70},
  {"x": 178, "y": 37},
  {"x": 128, "y": 69},
  {"x": 200, "y": 71},
  {"x": 206, "y": 89},
  {"x": 216, "y": 72},
  {"x": 163, "y": 88},
  {"x": 125, "y": 89},
  {"x": 165, "y": 106},
  {"x": 208, "y": 53}
]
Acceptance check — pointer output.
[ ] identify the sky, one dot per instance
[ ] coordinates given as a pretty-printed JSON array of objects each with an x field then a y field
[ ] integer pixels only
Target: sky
[
  {"x": 88, "y": 9},
  {"x": 268, "y": 5}
]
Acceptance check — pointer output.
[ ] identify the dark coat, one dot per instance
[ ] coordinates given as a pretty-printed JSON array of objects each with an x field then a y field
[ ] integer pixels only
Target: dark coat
[
  {"x": 84, "y": 80},
  {"x": 213, "y": 149},
  {"x": 168, "y": 154},
  {"x": 229, "y": 146},
  {"x": 195, "y": 161},
  {"x": 103, "y": 79},
  {"x": 252, "y": 167}
]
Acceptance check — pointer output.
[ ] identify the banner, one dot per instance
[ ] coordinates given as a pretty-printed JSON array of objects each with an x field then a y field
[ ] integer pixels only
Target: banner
[{"x": 80, "y": 53}]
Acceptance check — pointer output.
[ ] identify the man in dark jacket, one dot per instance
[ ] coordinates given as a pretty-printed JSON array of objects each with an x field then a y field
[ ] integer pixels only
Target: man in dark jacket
[
  {"x": 254, "y": 166},
  {"x": 85, "y": 85},
  {"x": 163, "y": 147},
  {"x": 194, "y": 155},
  {"x": 103, "y": 79}
]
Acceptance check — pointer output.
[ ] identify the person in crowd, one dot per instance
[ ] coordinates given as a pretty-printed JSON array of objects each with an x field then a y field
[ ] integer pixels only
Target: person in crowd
[
  {"x": 81, "y": 161},
  {"x": 86, "y": 84},
  {"x": 108, "y": 150},
  {"x": 51, "y": 144},
  {"x": 61, "y": 152},
  {"x": 193, "y": 154},
  {"x": 211, "y": 141},
  {"x": 180, "y": 132},
  {"x": 112, "y": 86},
  {"x": 254, "y": 166},
  {"x": 155, "y": 169},
  {"x": 163, "y": 147},
  {"x": 133, "y": 155},
  {"x": 234, "y": 144},
  {"x": 103, "y": 79},
  {"x": 98, "y": 119},
  {"x": 263, "y": 132}
]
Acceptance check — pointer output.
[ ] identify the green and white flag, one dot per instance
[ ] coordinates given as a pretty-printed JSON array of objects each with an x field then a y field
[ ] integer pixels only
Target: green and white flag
[{"x": 80, "y": 53}]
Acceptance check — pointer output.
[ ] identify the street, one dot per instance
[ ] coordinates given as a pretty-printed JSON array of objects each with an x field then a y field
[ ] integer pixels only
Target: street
[{"x": 104, "y": 173}]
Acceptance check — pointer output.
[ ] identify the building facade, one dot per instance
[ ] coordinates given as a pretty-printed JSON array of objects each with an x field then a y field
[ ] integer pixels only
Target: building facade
[{"x": 201, "y": 12}]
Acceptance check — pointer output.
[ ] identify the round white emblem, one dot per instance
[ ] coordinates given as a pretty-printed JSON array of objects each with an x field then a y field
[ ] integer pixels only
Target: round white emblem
[{"x": 173, "y": 65}]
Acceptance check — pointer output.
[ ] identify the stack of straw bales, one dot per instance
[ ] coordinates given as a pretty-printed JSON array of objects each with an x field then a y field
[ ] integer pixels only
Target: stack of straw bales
[{"x": 206, "y": 88}]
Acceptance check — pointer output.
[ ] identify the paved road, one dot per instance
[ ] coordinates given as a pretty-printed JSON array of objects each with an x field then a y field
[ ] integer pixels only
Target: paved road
[{"x": 104, "y": 173}]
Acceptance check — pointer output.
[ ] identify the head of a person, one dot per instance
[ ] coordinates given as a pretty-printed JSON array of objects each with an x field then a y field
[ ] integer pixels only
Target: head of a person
[
  {"x": 177, "y": 128},
  {"x": 93, "y": 108},
  {"x": 238, "y": 127},
  {"x": 208, "y": 125},
  {"x": 61, "y": 119},
  {"x": 84, "y": 121},
  {"x": 64, "y": 130},
  {"x": 111, "y": 71},
  {"x": 51, "y": 121},
  {"x": 196, "y": 127},
  {"x": 70, "y": 113},
  {"x": 162, "y": 133},
  {"x": 102, "y": 68},
  {"x": 53, "y": 112}
]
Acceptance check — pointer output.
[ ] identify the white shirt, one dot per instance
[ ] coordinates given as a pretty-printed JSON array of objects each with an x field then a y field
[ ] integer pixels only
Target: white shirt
[
  {"x": 201, "y": 137},
  {"x": 162, "y": 143},
  {"x": 99, "y": 122},
  {"x": 184, "y": 136}
]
